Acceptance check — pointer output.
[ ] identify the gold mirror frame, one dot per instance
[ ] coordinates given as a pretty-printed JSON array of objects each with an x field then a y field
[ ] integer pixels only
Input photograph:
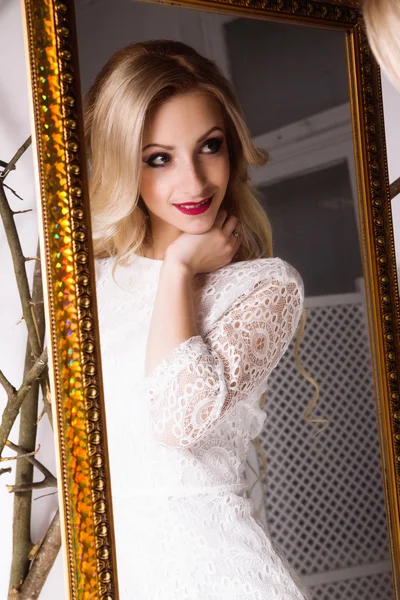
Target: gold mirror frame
[{"x": 69, "y": 280}]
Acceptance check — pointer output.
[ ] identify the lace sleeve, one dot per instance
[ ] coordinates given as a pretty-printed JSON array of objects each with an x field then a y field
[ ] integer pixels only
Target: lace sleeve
[{"x": 192, "y": 388}]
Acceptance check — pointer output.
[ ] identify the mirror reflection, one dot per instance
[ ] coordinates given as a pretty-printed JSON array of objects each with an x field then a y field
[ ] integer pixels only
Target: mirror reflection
[{"x": 226, "y": 481}]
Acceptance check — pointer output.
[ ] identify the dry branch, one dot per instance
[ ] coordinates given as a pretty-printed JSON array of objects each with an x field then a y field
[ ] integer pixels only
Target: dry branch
[
  {"x": 16, "y": 398},
  {"x": 42, "y": 562},
  {"x": 49, "y": 479},
  {"x": 26, "y": 582},
  {"x": 22, "y": 543},
  {"x": 12, "y": 164},
  {"x": 394, "y": 188},
  {"x": 17, "y": 255}
]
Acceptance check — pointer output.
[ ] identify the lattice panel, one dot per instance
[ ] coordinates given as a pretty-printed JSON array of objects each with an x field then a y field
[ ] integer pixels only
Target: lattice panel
[
  {"x": 324, "y": 496},
  {"x": 375, "y": 587}
]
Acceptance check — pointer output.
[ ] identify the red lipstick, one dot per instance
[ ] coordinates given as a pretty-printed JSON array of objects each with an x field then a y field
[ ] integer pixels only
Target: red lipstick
[{"x": 195, "y": 209}]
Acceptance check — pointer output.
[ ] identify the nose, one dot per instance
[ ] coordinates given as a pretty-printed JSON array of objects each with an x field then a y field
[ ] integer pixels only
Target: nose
[{"x": 192, "y": 180}]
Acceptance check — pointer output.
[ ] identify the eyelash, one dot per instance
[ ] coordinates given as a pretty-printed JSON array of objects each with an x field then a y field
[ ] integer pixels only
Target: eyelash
[{"x": 219, "y": 141}]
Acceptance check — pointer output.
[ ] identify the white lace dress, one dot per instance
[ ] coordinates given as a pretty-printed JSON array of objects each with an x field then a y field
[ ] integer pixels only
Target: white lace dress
[{"x": 179, "y": 437}]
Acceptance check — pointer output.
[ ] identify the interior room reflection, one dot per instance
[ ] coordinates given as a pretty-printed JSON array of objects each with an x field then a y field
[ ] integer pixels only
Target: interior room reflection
[{"x": 321, "y": 498}]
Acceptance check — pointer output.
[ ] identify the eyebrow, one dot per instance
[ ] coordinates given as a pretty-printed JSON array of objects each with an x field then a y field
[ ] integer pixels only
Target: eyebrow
[{"x": 199, "y": 140}]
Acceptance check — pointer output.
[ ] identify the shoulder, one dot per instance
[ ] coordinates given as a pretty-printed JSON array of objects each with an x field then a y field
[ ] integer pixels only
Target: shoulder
[
  {"x": 102, "y": 268},
  {"x": 275, "y": 268},
  {"x": 222, "y": 289},
  {"x": 246, "y": 273},
  {"x": 284, "y": 271},
  {"x": 268, "y": 273}
]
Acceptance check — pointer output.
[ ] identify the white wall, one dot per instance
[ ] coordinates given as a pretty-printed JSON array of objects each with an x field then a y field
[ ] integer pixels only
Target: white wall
[
  {"x": 14, "y": 129},
  {"x": 391, "y": 99}
]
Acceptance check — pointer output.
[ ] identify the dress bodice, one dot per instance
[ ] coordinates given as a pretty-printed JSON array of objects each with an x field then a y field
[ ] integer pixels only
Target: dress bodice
[{"x": 188, "y": 424}]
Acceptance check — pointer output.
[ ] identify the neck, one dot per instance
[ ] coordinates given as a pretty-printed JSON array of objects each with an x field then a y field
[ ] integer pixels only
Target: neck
[
  {"x": 161, "y": 236},
  {"x": 150, "y": 253}
]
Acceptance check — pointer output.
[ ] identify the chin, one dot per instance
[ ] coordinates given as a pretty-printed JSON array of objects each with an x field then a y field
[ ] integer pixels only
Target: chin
[{"x": 200, "y": 227}]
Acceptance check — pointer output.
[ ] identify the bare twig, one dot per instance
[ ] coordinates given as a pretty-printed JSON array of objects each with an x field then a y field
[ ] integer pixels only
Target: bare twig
[
  {"x": 19, "y": 269},
  {"x": 15, "y": 158},
  {"x": 44, "y": 495},
  {"x": 19, "y": 455},
  {"x": 34, "y": 485},
  {"x": 43, "y": 412},
  {"x": 15, "y": 194},
  {"x": 34, "y": 461},
  {"x": 33, "y": 374},
  {"x": 46, "y": 396},
  {"x": 43, "y": 561},
  {"x": 16, "y": 398},
  {"x": 22, "y": 543},
  {"x": 10, "y": 389},
  {"x": 26, "y": 582},
  {"x": 394, "y": 188}
]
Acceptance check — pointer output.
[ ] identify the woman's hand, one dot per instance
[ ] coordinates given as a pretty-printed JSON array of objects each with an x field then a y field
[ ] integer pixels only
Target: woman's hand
[{"x": 209, "y": 251}]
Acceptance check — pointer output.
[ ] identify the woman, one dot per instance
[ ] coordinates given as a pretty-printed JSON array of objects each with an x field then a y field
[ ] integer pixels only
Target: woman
[{"x": 194, "y": 314}]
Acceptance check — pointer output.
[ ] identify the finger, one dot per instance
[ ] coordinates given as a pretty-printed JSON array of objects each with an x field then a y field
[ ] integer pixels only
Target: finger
[
  {"x": 236, "y": 244},
  {"x": 229, "y": 225},
  {"x": 220, "y": 218},
  {"x": 238, "y": 239}
]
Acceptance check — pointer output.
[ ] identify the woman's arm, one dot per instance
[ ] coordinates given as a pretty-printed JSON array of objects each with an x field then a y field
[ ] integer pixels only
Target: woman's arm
[
  {"x": 202, "y": 378},
  {"x": 173, "y": 319}
]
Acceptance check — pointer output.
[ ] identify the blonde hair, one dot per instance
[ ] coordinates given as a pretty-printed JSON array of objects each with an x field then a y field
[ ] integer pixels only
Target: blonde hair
[
  {"x": 136, "y": 79},
  {"x": 382, "y": 20}
]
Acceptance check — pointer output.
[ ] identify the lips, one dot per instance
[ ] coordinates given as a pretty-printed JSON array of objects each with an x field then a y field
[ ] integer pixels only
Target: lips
[
  {"x": 198, "y": 209},
  {"x": 193, "y": 203}
]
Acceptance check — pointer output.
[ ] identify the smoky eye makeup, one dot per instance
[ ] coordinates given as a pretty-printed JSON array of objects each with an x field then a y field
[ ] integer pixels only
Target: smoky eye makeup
[{"x": 215, "y": 141}]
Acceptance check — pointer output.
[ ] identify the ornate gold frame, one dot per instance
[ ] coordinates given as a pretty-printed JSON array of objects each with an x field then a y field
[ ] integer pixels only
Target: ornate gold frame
[{"x": 67, "y": 257}]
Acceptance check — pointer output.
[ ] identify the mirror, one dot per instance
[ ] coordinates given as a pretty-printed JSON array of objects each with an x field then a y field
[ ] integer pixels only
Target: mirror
[
  {"x": 321, "y": 500},
  {"x": 231, "y": 487}
]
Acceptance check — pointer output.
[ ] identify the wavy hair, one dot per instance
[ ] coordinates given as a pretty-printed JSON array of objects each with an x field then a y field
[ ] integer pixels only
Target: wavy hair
[
  {"x": 382, "y": 19},
  {"x": 135, "y": 80}
]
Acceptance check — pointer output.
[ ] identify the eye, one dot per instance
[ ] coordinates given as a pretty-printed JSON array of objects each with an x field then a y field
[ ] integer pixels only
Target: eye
[
  {"x": 214, "y": 142},
  {"x": 153, "y": 157}
]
